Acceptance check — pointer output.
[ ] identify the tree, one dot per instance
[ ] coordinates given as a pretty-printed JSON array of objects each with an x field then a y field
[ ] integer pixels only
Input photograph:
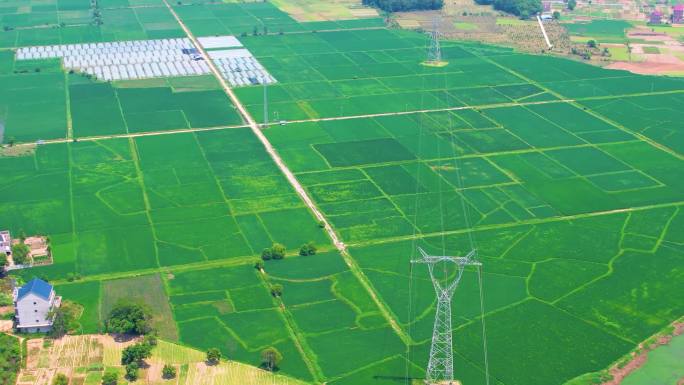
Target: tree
[
  {"x": 129, "y": 318},
  {"x": 60, "y": 323},
  {"x": 136, "y": 353},
  {"x": 132, "y": 371},
  {"x": 270, "y": 358},
  {"x": 60, "y": 379},
  {"x": 572, "y": 4},
  {"x": 266, "y": 254},
  {"x": 3, "y": 262},
  {"x": 20, "y": 253},
  {"x": 307, "y": 249},
  {"x": 591, "y": 43},
  {"x": 168, "y": 372},
  {"x": 556, "y": 15},
  {"x": 278, "y": 251},
  {"x": 213, "y": 356},
  {"x": 110, "y": 378},
  {"x": 277, "y": 290}
]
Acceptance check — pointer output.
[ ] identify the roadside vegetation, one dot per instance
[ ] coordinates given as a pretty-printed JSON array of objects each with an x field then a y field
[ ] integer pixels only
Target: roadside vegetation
[{"x": 10, "y": 359}]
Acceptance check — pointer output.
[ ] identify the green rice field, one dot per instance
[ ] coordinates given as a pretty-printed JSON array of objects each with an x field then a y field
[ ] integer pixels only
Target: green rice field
[{"x": 568, "y": 179}]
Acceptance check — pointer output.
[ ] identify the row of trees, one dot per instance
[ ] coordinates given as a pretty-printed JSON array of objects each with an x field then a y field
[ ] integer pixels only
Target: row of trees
[
  {"x": 277, "y": 251},
  {"x": 522, "y": 8},
  {"x": 404, "y": 5}
]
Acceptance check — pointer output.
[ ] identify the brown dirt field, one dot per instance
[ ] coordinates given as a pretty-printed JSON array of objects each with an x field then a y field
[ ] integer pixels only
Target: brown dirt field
[
  {"x": 6, "y": 326},
  {"x": 6, "y": 309},
  {"x": 648, "y": 67},
  {"x": 641, "y": 356}
]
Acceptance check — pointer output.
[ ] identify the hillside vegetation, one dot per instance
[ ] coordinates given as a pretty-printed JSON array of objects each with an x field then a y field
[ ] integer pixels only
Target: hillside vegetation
[
  {"x": 404, "y": 5},
  {"x": 522, "y": 8}
]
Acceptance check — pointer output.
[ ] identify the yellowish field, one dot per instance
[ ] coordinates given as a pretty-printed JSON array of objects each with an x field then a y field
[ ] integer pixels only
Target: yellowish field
[
  {"x": 321, "y": 10},
  {"x": 85, "y": 358},
  {"x": 512, "y": 21}
]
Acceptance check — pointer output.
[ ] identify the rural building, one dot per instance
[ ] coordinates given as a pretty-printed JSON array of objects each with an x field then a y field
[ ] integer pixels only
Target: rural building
[
  {"x": 5, "y": 242},
  {"x": 33, "y": 304},
  {"x": 656, "y": 17},
  {"x": 678, "y": 14}
]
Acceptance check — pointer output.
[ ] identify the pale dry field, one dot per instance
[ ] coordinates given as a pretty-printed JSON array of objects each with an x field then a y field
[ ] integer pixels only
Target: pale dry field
[{"x": 85, "y": 358}]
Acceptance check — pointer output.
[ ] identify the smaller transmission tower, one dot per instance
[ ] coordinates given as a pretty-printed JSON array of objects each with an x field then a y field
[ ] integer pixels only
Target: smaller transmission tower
[
  {"x": 440, "y": 370},
  {"x": 435, "y": 51}
]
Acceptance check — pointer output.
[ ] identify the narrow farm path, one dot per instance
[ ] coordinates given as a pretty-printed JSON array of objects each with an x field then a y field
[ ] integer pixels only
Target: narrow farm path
[
  {"x": 70, "y": 137},
  {"x": 303, "y": 194}
]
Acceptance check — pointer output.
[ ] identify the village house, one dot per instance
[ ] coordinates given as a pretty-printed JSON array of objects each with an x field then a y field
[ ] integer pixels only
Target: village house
[
  {"x": 678, "y": 14},
  {"x": 656, "y": 17},
  {"x": 33, "y": 304},
  {"x": 5, "y": 243}
]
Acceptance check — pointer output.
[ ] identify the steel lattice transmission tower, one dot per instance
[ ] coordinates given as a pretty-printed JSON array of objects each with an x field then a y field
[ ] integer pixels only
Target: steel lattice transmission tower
[
  {"x": 435, "y": 51},
  {"x": 440, "y": 368}
]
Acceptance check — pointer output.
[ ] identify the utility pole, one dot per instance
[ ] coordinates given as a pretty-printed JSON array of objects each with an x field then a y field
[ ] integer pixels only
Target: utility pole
[
  {"x": 440, "y": 369},
  {"x": 265, "y": 106}
]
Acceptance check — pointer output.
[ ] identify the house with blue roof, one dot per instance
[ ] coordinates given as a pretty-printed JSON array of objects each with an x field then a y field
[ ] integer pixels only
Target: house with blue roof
[{"x": 33, "y": 306}]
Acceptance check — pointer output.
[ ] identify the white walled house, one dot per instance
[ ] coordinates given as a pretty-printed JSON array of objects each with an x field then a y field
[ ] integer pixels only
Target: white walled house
[{"x": 33, "y": 303}]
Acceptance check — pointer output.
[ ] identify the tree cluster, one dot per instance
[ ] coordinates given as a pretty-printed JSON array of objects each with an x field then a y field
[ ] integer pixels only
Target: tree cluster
[
  {"x": 277, "y": 251},
  {"x": 133, "y": 356},
  {"x": 10, "y": 359},
  {"x": 307, "y": 249},
  {"x": 522, "y": 8},
  {"x": 129, "y": 318},
  {"x": 404, "y": 5},
  {"x": 20, "y": 253}
]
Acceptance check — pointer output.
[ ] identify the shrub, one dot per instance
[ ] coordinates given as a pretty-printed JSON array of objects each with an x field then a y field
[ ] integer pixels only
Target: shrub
[
  {"x": 60, "y": 379},
  {"x": 270, "y": 358},
  {"x": 110, "y": 378},
  {"x": 277, "y": 290},
  {"x": 213, "y": 356},
  {"x": 168, "y": 372}
]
